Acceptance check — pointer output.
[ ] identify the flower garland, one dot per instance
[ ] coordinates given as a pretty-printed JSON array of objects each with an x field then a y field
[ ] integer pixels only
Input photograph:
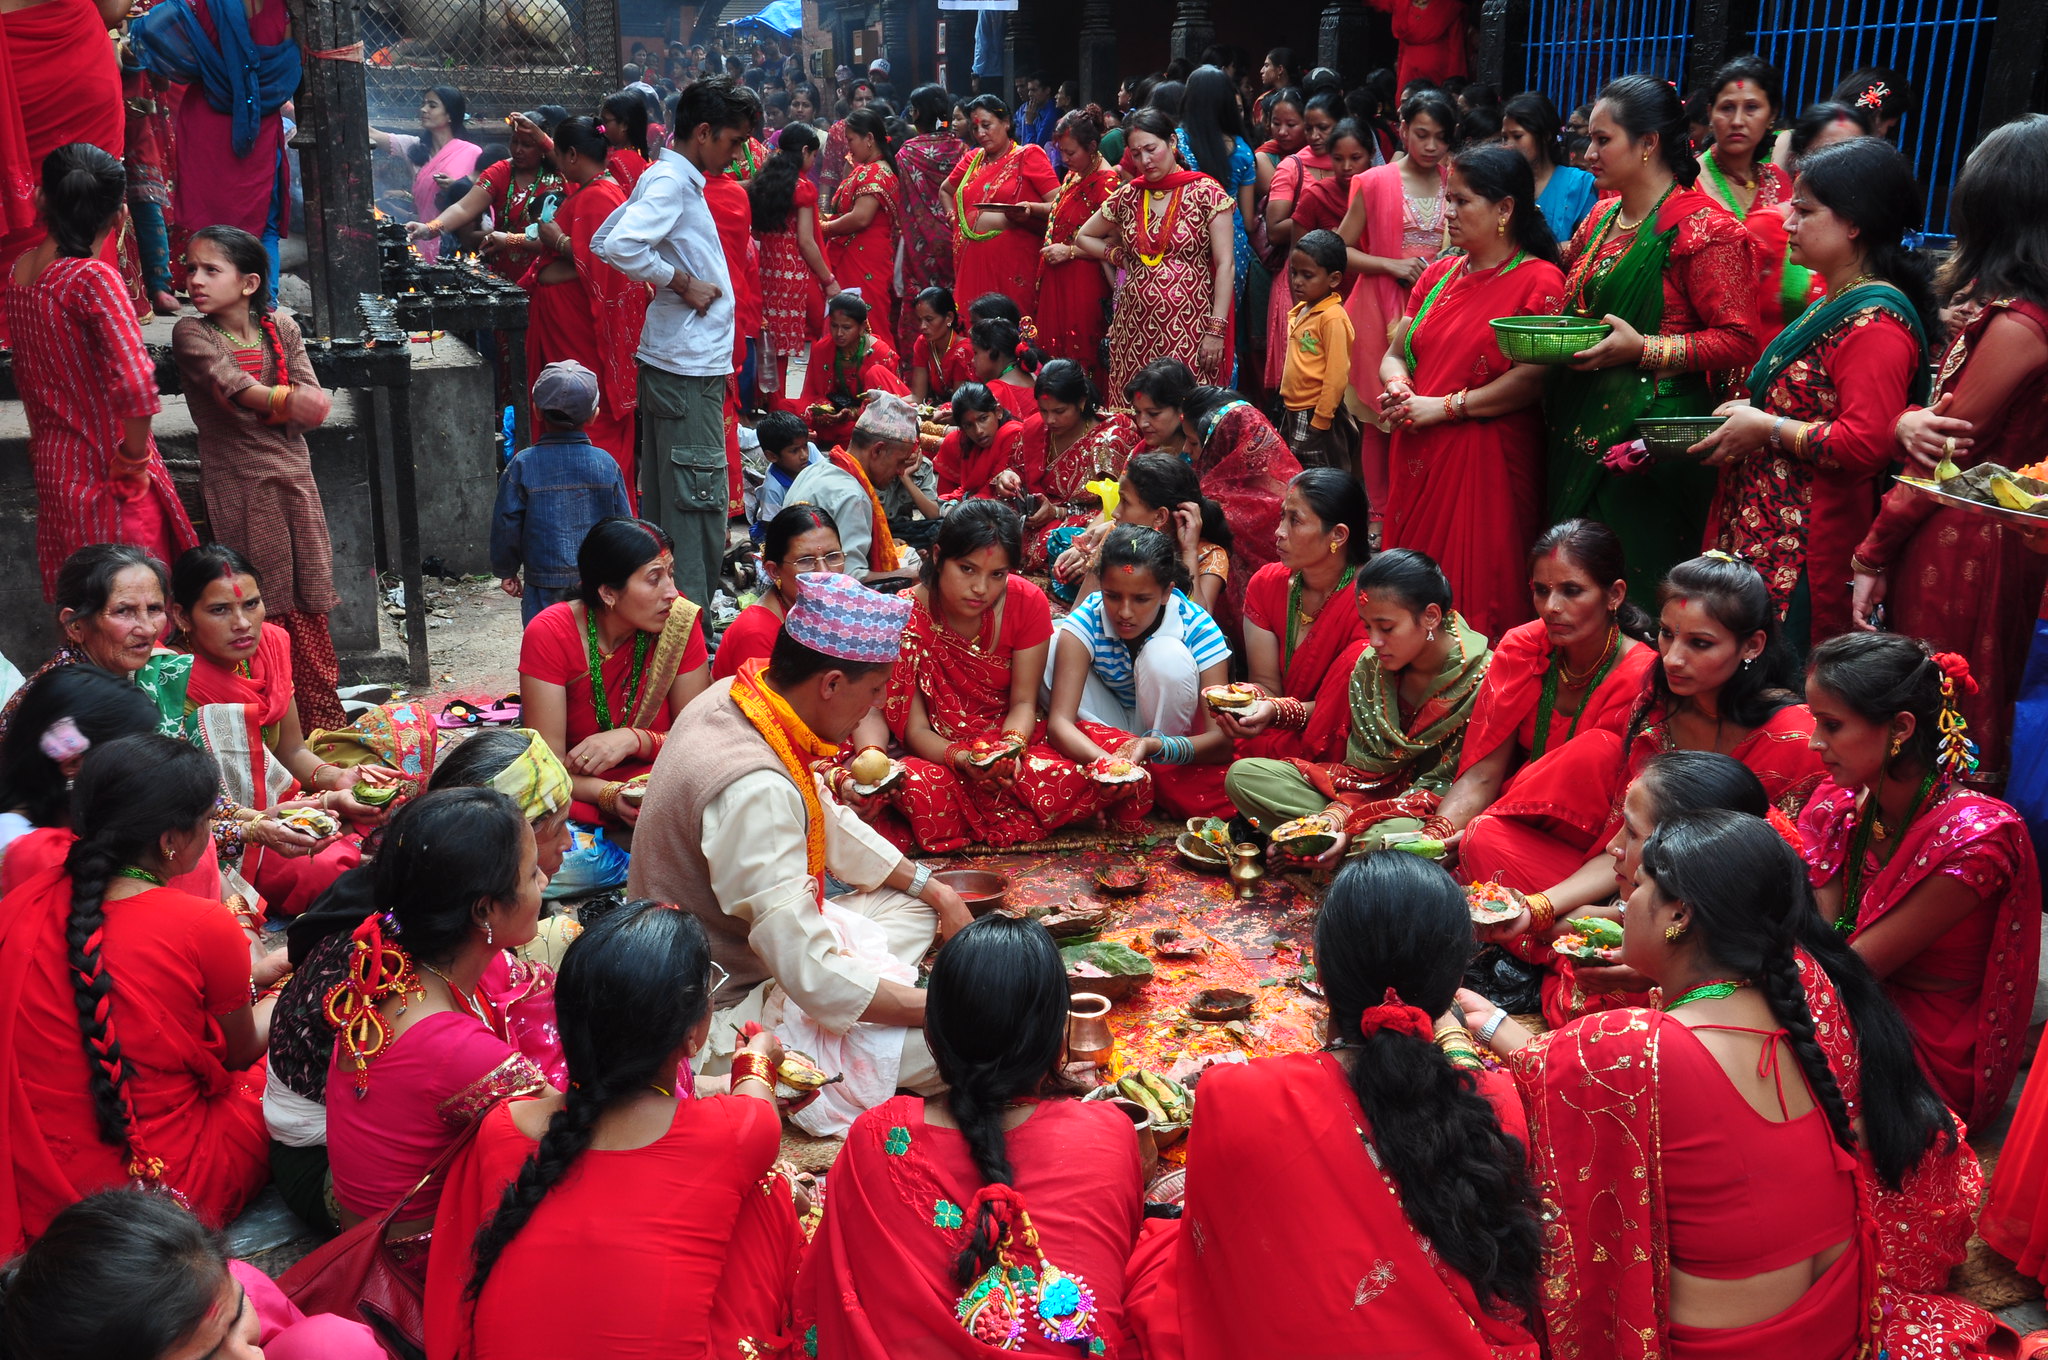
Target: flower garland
[{"x": 974, "y": 167}]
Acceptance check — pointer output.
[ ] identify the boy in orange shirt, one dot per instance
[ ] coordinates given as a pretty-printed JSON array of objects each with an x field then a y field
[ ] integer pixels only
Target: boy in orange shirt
[{"x": 1316, "y": 426}]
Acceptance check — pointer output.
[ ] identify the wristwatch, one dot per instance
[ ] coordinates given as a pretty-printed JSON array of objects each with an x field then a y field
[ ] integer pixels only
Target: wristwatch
[
  {"x": 1492, "y": 1027},
  {"x": 919, "y": 877}
]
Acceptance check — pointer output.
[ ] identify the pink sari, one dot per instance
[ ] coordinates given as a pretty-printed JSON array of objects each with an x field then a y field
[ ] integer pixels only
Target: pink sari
[
  {"x": 457, "y": 160},
  {"x": 1376, "y": 303}
]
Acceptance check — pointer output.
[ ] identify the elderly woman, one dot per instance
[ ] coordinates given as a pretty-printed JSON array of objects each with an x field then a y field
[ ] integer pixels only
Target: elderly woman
[{"x": 111, "y": 610}]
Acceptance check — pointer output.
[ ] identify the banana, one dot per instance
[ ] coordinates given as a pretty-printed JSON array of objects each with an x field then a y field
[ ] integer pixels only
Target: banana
[
  {"x": 1133, "y": 1088},
  {"x": 800, "y": 1073},
  {"x": 1171, "y": 1097},
  {"x": 2012, "y": 496}
]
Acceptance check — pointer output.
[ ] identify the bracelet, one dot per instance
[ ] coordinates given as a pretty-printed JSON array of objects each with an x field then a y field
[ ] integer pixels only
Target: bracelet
[
  {"x": 1289, "y": 714},
  {"x": 608, "y": 798},
  {"x": 1863, "y": 568},
  {"x": 1215, "y": 327},
  {"x": 1492, "y": 1026},
  {"x": 1542, "y": 911},
  {"x": 1777, "y": 438},
  {"x": 1172, "y": 750},
  {"x": 323, "y": 765},
  {"x": 747, "y": 1066},
  {"x": 279, "y": 395},
  {"x": 1454, "y": 404},
  {"x": 1656, "y": 353},
  {"x": 1457, "y": 1046},
  {"x": 1438, "y": 828},
  {"x": 920, "y": 876}
]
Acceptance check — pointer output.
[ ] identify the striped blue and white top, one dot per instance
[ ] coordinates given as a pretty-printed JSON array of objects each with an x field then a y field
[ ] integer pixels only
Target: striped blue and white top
[{"x": 1116, "y": 665}]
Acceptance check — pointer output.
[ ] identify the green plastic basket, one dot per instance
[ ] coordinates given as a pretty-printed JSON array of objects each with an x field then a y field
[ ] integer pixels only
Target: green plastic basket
[
  {"x": 1671, "y": 436},
  {"x": 1547, "y": 339}
]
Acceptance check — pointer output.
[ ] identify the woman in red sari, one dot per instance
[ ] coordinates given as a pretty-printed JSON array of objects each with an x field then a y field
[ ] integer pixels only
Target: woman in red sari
[
  {"x": 1073, "y": 291},
  {"x": 966, "y": 689},
  {"x": 848, "y": 361},
  {"x": 1465, "y": 456},
  {"x": 796, "y": 278},
  {"x": 998, "y": 1217},
  {"x": 59, "y": 84},
  {"x": 1991, "y": 406},
  {"x": 244, "y": 713},
  {"x": 1721, "y": 682},
  {"x": 941, "y": 357},
  {"x": 1245, "y": 467},
  {"x": 624, "y": 127},
  {"x": 1941, "y": 905},
  {"x": 867, "y": 207},
  {"x": 995, "y": 249},
  {"x": 1371, "y": 1199},
  {"x": 653, "y": 1219},
  {"x": 1738, "y": 174},
  {"x": 163, "y": 1094},
  {"x": 582, "y": 308},
  {"x": 1056, "y": 452},
  {"x": 1800, "y": 460},
  {"x": 1394, "y": 226},
  {"x": 975, "y": 453},
  {"x": 1708, "y": 1199}
]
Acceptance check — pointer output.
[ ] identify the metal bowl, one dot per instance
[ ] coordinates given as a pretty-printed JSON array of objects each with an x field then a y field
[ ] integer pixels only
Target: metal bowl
[{"x": 982, "y": 890}]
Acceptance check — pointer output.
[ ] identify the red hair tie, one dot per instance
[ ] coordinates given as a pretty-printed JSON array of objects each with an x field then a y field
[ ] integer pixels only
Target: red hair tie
[
  {"x": 1956, "y": 668},
  {"x": 1873, "y": 98},
  {"x": 1398, "y": 1016}
]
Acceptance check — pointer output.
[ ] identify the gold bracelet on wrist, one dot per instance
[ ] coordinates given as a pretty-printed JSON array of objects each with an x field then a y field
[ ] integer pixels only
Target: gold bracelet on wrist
[{"x": 1542, "y": 911}]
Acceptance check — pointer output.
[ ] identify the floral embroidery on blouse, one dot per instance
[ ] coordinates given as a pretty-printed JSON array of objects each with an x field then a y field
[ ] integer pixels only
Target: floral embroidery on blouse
[
  {"x": 516, "y": 1076},
  {"x": 946, "y": 1214},
  {"x": 899, "y": 1141}
]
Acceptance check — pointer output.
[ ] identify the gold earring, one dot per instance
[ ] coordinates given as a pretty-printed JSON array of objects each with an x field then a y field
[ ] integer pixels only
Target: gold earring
[
  {"x": 1897, "y": 742},
  {"x": 1333, "y": 550},
  {"x": 1646, "y": 158},
  {"x": 1673, "y": 933},
  {"x": 1500, "y": 228}
]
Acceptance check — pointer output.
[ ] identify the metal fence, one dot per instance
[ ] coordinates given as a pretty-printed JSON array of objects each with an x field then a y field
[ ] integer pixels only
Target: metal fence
[
  {"x": 502, "y": 54},
  {"x": 1939, "y": 46},
  {"x": 1573, "y": 47}
]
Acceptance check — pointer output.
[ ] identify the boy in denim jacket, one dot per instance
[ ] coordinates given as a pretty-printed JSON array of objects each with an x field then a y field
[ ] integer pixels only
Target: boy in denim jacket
[{"x": 550, "y": 495}]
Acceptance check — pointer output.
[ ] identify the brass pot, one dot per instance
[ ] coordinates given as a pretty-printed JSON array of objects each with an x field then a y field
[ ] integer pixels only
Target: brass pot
[{"x": 1246, "y": 868}]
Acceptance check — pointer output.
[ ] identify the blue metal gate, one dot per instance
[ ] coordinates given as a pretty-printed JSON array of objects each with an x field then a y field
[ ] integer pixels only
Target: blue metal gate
[
  {"x": 1573, "y": 47},
  {"x": 1940, "y": 46}
]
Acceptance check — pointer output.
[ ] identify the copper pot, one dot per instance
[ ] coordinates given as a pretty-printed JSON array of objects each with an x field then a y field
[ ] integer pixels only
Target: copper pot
[
  {"x": 1148, "y": 1144},
  {"x": 1088, "y": 1035},
  {"x": 1246, "y": 869}
]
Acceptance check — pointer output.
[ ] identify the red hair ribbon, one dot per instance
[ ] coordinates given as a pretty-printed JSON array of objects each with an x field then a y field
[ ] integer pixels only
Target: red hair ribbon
[
  {"x": 1397, "y": 1015},
  {"x": 1957, "y": 669},
  {"x": 1874, "y": 97},
  {"x": 1786, "y": 829}
]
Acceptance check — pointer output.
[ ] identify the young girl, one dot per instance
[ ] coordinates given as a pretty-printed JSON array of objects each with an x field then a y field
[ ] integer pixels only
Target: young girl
[
  {"x": 941, "y": 358},
  {"x": 1008, "y": 363},
  {"x": 1157, "y": 491},
  {"x": 793, "y": 267},
  {"x": 1322, "y": 202},
  {"x": 1069, "y": 442},
  {"x": 845, "y": 365},
  {"x": 253, "y": 396},
  {"x": 972, "y": 665},
  {"x": 1134, "y": 658},
  {"x": 977, "y": 451},
  {"x": 625, "y": 130},
  {"x": 86, "y": 382}
]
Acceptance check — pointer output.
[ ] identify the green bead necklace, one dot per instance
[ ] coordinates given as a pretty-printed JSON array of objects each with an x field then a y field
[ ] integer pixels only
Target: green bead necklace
[
  {"x": 1294, "y": 610},
  {"x": 1547, "y": 704},
  {"x": 140, "y": 875},
  {"x": 641, "y": 642},
  {"x": 1708, "y": 991},
  {"x": 1868, "y": 826}
]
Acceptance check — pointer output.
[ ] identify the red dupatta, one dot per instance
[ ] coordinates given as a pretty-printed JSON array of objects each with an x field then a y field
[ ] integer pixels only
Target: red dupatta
[
  {"x": 1509, "y": 701},
  {"x": 1320, "y": 668},
  {"x": 966, "y": 689},
  {"x": 1594, "y": 1145},
  {"x": 264, "y": 693},
  {"x": 618, "y": 305},
  {"x": 1303, "y": 1248},
  {"x": 1245, "y": 468},
  {"x": 1097, "y": 454}
]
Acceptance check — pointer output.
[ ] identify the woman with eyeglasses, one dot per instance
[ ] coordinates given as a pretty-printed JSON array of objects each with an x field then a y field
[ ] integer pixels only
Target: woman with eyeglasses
[
  {"x": 799, "y": 539},
  {"x": 964, "y": 699}
]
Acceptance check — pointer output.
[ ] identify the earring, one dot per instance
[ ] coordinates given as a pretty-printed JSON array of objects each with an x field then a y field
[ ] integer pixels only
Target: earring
[
  {"x": 171, "y": 856},
  {"x": 1748, "y": 661},
  {"x": 1500, "y": 228},
  {"x": 489, "y": 938},
  {"x": 1646, "y": 158},
  {"x": 1333, "y": 550},
  {"x": 1673, "y": 933},
  {"x": 1897, "y": 742},
  {"x": 1430, "y": 636}
]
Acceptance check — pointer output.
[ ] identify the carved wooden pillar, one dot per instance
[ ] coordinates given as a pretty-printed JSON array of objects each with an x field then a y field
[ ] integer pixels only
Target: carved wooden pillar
[
  {"x": 333, "y": 142},
  {"x": 1098, "y": 67},
  {"x": 899, "y": 44},
  {"x": 1192, "y": 30},
  {"x": 1343, "y": 33}
]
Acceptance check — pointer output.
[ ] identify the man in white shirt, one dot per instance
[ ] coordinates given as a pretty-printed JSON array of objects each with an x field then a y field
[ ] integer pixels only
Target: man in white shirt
[
  {"x": 729, "y": 834},
  {"x": 664, "y": 235}
]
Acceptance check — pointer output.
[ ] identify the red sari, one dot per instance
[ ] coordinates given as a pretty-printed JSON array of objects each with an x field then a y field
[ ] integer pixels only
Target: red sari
[
  {"x": 1924, "y": 1226},
  {"x": 1470, "y": 493},
  {"x": 1566, "y": 806},
  {"x": 1603, "y": 1158},
  {"x": 1072, "y": 294},
  {"x": 625, "y": 165},
  {"x": 595, "y": 319},
  {"x": 965, "y": 472},
  {"x": 848, "y": 376},
  {"x": 792, "y": 304},
  {"x": 943, "y": 374},
  {"x": 1955, "y": 575},
  {"x": 176, "y": 964},
  {"x": 1007, "y": 261},
  {"x": 1293, "y": 1241},
  {"x": 878, "y": 1283},
  {"x": 1245, "y": 466},
  {"x": 866, "y": 259},
  {"x": 1095, "y": 455},
  {"x": 688, "y": 1246},
  {"x": 1968, "y": 1038},
  {"x": 964, "y": 685}
]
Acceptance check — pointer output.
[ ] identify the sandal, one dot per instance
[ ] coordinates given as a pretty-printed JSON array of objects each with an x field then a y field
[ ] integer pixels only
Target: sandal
[{"x": 459, "y": 713}]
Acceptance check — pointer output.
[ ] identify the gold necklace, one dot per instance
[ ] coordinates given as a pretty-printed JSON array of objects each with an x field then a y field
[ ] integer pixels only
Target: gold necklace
[{"x": 1850, "y": 286}]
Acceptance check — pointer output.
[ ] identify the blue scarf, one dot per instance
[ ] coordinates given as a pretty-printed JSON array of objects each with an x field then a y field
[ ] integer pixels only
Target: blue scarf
[{"x": 241, "y": 79}]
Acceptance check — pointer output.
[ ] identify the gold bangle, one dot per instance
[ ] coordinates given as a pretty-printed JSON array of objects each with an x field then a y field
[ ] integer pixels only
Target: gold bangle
[
  {"x": 608, "y": 798},
  {"x": 1542, "y": 912}
]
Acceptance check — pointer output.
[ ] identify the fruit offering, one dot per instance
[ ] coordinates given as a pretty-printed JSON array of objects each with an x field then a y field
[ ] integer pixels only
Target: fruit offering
[
  {"x": 1231, "y": 698},
  {"x": 310, "y": 820},
  {"x": 1168, "y": 1102},
  {"x": 1490, "y": 904},
  {"x": 1116, "y": 770},
  {"x": 983, "y": 752},
  {"x": 870, "y": 766},
  {"x": 373, "y": 795},
  {"x": 1304, "y": 837}
]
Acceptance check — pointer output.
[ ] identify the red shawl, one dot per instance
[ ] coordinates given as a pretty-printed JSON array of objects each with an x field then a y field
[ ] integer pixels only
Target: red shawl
[
  {"x": 618, "y": 305},
  {"x": 879, "y": 1284},
  {"x": 1319, "y": 669},
  {"x": 1923, "y": 1227},
  {"x": 1245, "y": 468},
  {"x": 1591, "y": 1092},
  {"x": 966, "y": 689},
  {"x": 1508, "y": 701},
  {"x": 265, "y": 693},
  {"x": 1969, "y": 1039},
  {"x": 1303, "y": 1247}
]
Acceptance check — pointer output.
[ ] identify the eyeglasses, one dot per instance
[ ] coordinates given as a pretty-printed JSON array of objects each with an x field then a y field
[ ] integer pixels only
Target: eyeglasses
[
  {"x": 719, "y": 977},
  {"x": 827, "y": 562}
]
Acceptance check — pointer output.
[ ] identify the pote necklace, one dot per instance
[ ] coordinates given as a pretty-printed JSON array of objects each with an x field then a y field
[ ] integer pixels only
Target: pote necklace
[
  {"x": 1151, "y": 247},
  {"x": 1709, "y": 991},
  {"x": 634, "y": 677}
]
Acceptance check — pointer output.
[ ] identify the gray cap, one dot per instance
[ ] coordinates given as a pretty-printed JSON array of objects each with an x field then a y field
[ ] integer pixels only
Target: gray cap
[{"x": 568, "y": 389}]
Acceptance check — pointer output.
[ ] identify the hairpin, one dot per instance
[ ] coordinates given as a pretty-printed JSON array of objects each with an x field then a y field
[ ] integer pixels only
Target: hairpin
[{"x": 1874, "y": 97}]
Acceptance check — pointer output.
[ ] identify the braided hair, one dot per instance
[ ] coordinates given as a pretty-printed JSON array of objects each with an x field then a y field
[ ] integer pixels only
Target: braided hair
[
  {"x": 129, "y": 794},
  {"x": 1746, "y": 886},
  {"x": 1394, "y": 922},
  {"x": 631, "y": 989},
  {"x": 996, "y": 1018},
  {"x": 245, "y": 254}
]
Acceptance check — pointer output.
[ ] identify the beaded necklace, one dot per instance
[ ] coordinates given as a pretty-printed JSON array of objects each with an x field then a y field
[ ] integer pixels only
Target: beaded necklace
[
  {"x": 139, "y": 875},
  {"x": 846, "y": 366},
  {"x": 974, "y": 167},
  {"x": 1709, "y": 991},
  {"x": 1870, "y": 827},
  {"x": 1588, "y": 262},
  {"x": 641, "y": 642},
  {"x": 1720, "y": 180},
  {"x": 1295, "y": 616},
  {"x": 1464, "y": 268},
  {"x": 475, "y": 1010},
  {"x": 1161, "y": 242},
  {"x": 232, "y": 338},
  {"x": 1546, "y": 706}
]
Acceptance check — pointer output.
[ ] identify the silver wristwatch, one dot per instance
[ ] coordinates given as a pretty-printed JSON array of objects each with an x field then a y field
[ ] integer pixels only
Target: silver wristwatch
[
  {"x": 1492, "y": 1027},
  {"x": 919, "y": 876}
]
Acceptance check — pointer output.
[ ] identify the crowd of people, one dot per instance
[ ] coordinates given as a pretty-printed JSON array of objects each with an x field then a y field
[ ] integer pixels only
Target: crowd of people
[{"x": 1100, "y": 466}]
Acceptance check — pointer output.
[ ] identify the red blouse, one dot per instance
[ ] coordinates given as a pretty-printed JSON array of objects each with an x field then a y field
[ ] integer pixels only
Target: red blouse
[
  {"x": 553, "y": 649},
  {"x": 1710, "y": 281},
  {"x": 965, "y": 473},
  {"x": 957, "y": 368},
  {"x": 750, "y": 635}
]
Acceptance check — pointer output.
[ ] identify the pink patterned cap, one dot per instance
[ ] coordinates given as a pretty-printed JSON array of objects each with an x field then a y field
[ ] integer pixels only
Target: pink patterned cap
[{"x": 837, "y": 616}]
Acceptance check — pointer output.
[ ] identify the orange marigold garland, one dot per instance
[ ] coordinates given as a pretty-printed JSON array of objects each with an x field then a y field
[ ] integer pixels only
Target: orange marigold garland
[{"x": 377, "y": 969}]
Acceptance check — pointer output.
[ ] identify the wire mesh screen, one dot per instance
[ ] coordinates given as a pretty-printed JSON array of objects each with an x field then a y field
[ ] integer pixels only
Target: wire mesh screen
[
  {"x": 1574, "y": 47},
  {"x": 457, "y": 36},
  {"x": 1939, "y": 46}
]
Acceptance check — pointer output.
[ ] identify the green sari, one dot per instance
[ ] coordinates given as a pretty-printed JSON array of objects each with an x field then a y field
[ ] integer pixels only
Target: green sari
[
  {"x": 1819, "y": 321},
  {"x": 1660, "y": 513},
  {"x": 1393, "y": 774}
]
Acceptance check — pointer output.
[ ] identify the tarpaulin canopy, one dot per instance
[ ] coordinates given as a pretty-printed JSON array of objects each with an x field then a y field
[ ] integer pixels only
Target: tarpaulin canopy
[{"x": 784, "y": 16}]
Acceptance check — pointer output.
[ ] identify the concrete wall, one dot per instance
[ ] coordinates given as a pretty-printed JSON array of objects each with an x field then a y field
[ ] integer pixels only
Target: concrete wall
[{"x": 454, "y": 414}]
